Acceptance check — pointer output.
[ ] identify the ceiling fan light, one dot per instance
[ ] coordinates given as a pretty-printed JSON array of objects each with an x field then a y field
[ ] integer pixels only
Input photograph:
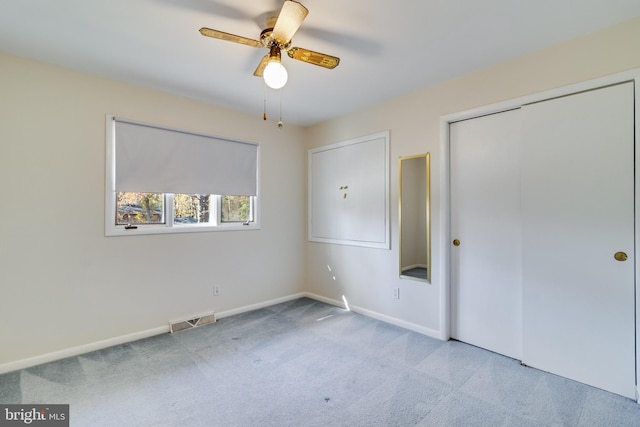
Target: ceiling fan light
[{"x": 275, "y": 75}]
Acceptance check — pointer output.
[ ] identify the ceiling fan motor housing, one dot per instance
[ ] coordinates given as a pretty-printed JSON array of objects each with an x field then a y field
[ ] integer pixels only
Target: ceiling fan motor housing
[{"x": 268, "y": 41}]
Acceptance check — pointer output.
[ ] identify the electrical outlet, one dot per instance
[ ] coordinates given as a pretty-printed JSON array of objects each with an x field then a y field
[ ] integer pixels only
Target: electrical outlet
[
  {"x": 396, "y": 293},
  {"x": 216, "y": 291}
]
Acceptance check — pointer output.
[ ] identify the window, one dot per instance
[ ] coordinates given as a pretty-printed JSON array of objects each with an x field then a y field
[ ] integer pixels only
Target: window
[{"x": 162, "y": 180}]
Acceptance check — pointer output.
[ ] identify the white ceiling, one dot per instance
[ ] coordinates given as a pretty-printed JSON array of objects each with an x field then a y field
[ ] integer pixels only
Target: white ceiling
[{"x": 387, "y": 48}]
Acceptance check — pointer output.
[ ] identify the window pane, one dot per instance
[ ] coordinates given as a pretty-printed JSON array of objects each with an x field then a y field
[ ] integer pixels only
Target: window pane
[
  {"x": 236, "y": 209},
  {"x": 139, "y": 208},
  {"x": 191, "y": 208}
]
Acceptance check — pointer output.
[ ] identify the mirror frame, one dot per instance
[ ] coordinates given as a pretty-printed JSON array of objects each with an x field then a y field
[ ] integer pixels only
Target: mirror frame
[{"x": 427, "y": 159}]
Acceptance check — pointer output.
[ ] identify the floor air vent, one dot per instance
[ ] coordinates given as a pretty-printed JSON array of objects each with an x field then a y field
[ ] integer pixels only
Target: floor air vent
[{"x": 192, "y": 323}]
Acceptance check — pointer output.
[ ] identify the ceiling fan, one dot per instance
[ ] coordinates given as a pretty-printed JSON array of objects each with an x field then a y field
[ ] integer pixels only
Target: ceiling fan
[{"x": 277, "y": 37}]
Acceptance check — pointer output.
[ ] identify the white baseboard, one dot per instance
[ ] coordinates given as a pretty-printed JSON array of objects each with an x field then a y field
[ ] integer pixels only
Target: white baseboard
[
  {"x": 81, "y": 349},
  {"x": 324, "y": 299},
  {"x": 382, "y": 317},
  {"x": 257, "y": 306},
  {"x": 99, "y": 345}
]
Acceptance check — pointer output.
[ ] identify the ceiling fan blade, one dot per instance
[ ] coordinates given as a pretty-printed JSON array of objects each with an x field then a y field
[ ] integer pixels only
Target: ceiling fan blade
[
  {"x": 289, "y": 20},
  {"x": 261, "y": 66},
  {"x": 230, "y": 37},
  {"x": 315, "y": 58}
]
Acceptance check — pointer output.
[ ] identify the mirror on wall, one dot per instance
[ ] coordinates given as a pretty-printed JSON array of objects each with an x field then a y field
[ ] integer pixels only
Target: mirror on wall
[{"x": 414, "y": 217}]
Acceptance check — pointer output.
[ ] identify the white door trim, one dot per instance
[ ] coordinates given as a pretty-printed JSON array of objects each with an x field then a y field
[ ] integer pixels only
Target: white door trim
[{"x": 445, "y": 209}]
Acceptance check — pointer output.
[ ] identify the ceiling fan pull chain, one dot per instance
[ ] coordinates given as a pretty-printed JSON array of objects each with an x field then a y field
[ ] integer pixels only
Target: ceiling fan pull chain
[
  {"x": 280, "y": 124},
  {"x": 264, "y": 94}
]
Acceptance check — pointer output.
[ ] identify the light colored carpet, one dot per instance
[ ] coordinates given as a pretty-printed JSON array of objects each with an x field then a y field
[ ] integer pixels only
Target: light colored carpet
[{"x": 305, "y": 363}]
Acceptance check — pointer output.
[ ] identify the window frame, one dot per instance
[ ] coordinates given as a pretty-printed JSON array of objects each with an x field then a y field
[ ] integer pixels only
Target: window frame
[{"x": 113, "y": 229}]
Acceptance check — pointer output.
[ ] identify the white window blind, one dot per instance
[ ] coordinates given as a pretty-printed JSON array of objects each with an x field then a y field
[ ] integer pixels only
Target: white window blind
[{"x": 151, "y": 159}]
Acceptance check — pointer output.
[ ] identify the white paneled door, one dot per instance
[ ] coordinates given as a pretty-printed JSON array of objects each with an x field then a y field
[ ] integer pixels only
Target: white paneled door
[
  {"x": 486, "y": 291},
  {"x": 543, "y": 238},
  {"x": 578, "y": 237}
]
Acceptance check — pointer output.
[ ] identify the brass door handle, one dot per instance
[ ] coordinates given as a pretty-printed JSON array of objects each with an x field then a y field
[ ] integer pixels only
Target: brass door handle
[
  {"x": 456, "y": 242},
  {"x": 620, "y": 256}
]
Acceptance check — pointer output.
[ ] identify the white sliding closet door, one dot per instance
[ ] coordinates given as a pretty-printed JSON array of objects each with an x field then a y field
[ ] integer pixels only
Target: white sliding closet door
[
  {"x": 578, "y": 211},
  {"x": 486, "y": 290}
]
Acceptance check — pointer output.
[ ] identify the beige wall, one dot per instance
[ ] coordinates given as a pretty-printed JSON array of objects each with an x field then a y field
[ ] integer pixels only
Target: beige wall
[
  {"x": 366, "y": 277},
  {"x": 62, "y": 283}
]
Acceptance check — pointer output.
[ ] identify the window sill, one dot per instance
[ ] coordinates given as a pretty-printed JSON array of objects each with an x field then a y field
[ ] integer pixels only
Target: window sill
[{"x": 120, "y": 230}]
